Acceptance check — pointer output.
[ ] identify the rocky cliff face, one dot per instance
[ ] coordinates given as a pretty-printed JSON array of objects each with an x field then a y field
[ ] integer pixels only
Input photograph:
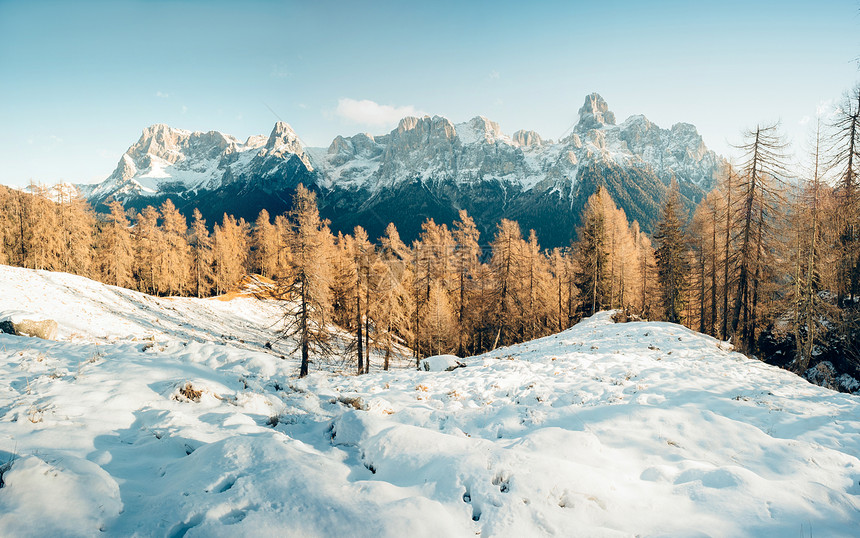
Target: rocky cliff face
[
  {"x": 433, "y": 149},
  {"x": 179, "y": 162},
  {"x": 426, "y": 167}
]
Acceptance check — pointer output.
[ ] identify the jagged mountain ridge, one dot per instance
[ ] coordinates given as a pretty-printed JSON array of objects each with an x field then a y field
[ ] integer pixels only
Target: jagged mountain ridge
[{"x": 425, "y": 168}]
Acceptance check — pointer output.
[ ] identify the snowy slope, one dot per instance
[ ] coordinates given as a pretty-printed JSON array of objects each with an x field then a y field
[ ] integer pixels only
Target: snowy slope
[{"x": 603, "y": 430}]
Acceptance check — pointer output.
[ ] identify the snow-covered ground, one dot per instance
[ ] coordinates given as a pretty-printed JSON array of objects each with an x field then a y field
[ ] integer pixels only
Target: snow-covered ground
[{"x": 170, "y": 417}]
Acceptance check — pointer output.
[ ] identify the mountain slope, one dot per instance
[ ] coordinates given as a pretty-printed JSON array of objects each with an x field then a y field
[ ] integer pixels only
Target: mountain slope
[
  {"x": 602, "y": 430},
  {"x": 425, "y": 168}
]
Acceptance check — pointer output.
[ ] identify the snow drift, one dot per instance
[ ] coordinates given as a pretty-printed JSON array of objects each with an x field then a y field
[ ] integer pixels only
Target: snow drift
[{"x": 171, "y": 417}]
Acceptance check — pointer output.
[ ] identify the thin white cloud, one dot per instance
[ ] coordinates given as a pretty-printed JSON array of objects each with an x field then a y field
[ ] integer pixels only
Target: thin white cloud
[
  {"x": 279, "y": 71},
  {"x": 162, "y": 95},
  {"x": 184, "y": 109},
  {"x": 826, "y": 109},
  {"x": 56, "y": 139},
  {"x": 494, "y": 75},
  {"x": 367, "y": 112}
]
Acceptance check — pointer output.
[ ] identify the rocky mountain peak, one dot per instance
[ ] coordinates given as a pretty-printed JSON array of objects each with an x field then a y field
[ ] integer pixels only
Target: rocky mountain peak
[
  {"x": 283, "y": 135},
  {"x": 594, "y": 114},
  {"x": 525, "y": 138},
  {"x": 489, "y": 129}
]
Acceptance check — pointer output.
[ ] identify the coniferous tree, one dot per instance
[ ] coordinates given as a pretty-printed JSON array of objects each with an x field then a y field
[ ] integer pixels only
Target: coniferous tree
[
  {"x": 116, "y": 249},
  {"x": 264, "y": 241},
  {"x": 362, "y": 254},
  {"x": 202, "y": 277},
  {"x": 811, "y": 314},
  {"x": 230, "y": 252},
  {"x": 672, "y": 263},
  {"x": 845, "y": 160},
  {"x": 148, "y": 245},
  {"x": 507, "y": 249},
  {"x": 466, "y": 258},
  {"x": 306, "y": 293},
  {"x": 431, "y": 265},
  {"x": 77, "y": 226},
  {"x": 391, "y": 306},
  {"x": 763, "y": 166},
  {"x": 591, "y": 256},
  {"x": 176, "y": 257}
]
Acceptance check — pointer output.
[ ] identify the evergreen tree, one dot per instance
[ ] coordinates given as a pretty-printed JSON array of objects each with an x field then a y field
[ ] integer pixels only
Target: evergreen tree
[{"x": 672, "y": 265}]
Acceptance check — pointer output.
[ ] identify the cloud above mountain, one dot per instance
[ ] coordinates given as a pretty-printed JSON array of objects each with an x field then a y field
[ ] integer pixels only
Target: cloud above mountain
[{"x": 367, "y": 112}]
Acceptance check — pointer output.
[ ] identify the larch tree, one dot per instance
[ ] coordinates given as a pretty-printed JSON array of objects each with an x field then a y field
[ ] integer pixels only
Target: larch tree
[
  {"x": 591, "y": 255},
  {"x": 845, "y": 161},
  {"x": 763, "y": 166},
  {"x": 306, "y": 293},
  {"x": 812, "y": 315},
  {"x": 77, "y": 225},
  {"x": 363, "y": 257},
  {"x": 230, "y": 252},
  {"x": 392, "y": 305},
  {"x": 507, "y": 252},
  {"x": 536, "y": 304},
  {"x": 115, "y": 251},
  {"x": 264, "y": 242},
  {"x": 432, "y": 256},
  {"x": 283, "y": 232},
  {"x": 176, "y": 257},
  {"x": 148, "y": 249},
  {"x": 202, "y": 277},
  {"x": 467, "y": 254}
]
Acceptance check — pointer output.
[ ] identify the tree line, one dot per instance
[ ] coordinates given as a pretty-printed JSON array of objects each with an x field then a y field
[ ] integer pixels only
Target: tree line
[{"x": 763, "y": 256}]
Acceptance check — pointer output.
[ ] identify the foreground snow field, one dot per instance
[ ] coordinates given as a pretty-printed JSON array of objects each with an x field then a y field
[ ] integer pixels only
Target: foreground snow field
[{"x": 170, "y": 417}]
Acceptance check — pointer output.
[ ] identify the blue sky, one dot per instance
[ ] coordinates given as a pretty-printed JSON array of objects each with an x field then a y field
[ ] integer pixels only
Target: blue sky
[{"x": 80, "y": 80}]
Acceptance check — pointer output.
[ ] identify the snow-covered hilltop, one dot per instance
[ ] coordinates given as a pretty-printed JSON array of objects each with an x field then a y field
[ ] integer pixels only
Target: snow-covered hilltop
[
  {"x": 426, "y": 167},
  {"x": 171, "y": 417}
]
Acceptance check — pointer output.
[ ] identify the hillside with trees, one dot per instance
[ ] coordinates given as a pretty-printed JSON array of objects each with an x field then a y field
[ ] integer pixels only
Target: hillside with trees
[{"x": 766, "y": 261}]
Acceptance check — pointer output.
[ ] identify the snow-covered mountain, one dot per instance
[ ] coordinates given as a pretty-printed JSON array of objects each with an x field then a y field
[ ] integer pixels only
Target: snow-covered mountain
[
  {"x": 434, "y": 150},
  {"x": 171, "y": 417},
  {"x": 426, "y": 167},
  {"x": 174, "y": 161}
]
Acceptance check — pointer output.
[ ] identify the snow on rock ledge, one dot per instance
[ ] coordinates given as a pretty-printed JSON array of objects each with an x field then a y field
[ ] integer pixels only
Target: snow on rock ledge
[
  {"x": 28, "y": 324},
  {"x": 441, "y": 363}
]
